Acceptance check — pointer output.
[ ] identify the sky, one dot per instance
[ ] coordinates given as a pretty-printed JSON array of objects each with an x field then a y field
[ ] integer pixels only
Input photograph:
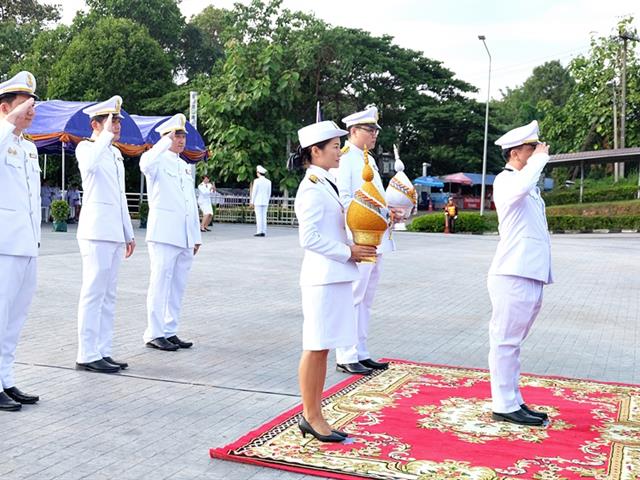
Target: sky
[{"x": 520, "y": 35}]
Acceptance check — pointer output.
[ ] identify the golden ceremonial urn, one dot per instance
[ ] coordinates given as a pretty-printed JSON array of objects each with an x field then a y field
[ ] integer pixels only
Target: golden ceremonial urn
[{"x": 367, "y": 215}]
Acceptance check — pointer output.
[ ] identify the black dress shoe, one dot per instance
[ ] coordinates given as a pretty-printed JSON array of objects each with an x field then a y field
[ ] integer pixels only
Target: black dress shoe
[
  {"x": 305, "y": 427},
  {"x": 353, "y": 368},
  {"x": 7, "y": 404},
  {"x": 162, "y": 343},
  {"x": 372, "y": 364},
  {"x": 519, "y": 417},
  {"x": 16, "y": 395},
  {"x": 260, "y": 235},
  {"x": 110, "y": 360},
  {"x": 176, "y": 341},
  {"x": 534, "y": 413},
  {"x": 99, "y": 366}
]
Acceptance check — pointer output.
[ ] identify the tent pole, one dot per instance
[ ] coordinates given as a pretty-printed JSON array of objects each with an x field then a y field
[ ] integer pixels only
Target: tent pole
[
  {"x": 581, "y": 179},
  {"x": 63, "y": 185},
  {"x": 44, "y": 174}
]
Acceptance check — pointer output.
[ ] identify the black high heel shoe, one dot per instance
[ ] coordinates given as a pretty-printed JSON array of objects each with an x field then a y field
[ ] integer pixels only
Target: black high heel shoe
[{"x": 305, "y": 428}]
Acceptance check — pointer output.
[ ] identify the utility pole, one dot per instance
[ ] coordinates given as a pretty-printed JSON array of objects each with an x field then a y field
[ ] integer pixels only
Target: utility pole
[{"x": 482, "y": 38}]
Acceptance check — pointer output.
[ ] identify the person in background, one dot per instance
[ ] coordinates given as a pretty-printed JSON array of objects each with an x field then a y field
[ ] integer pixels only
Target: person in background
[
  {"x": 260, "y": 196},
  {"x": 73, "y": 199},
  {"x": 451, "y": 215},
  {"x": 46, "y": 197},
  {"x": 206, "y": 190}
]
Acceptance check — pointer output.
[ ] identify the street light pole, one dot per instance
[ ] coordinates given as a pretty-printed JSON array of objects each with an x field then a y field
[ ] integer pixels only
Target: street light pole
[{"x": 486, "y": 130}]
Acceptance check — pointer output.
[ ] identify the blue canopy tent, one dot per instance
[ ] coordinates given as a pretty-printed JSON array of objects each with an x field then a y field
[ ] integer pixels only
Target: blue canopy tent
[
  {"x": 195, "y": 149},
  {"x": 60, "y": 125},
  {"x": 429, "y": 182}
]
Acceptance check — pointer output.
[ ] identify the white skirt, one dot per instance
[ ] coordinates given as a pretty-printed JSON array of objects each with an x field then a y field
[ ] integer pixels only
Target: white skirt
[
  {"x": 205, "y": 207},
  {"x": 329, "y": 316}
]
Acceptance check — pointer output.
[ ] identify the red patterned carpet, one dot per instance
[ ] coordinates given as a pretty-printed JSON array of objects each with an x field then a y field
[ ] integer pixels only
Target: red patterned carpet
[{"x": 426, "y": 422}]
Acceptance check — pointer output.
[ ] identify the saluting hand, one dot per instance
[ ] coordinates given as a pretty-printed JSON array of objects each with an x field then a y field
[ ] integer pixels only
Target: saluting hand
[
  {"x": 131, "y": 246},
  {"x": 361, "y": 252},
  {"x": 108, "y": 123},
  {"x": 541, "y": 148},
  {"x": 19, "y": 114}
]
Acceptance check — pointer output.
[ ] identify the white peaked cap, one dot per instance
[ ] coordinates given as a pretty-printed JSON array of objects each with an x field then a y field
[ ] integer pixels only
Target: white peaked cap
[
  {"x": 369, "y": 116},
  {"x": 176, "y": 123},
  {"x": 319, "y": 132},
  {"x": 112, "y": 105},
  {"x": 519, "y": 136},
  {"x": 260, "y": 169},
  {"x": 23, "y": 82}
]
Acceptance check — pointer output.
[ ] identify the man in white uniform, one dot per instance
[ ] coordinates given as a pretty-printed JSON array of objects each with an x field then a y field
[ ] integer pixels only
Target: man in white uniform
[
  {"x": 20, "y": 226},
  {"x": 173, "y": 233},
  {"x": 520, "y": 268},
  {"x": 105, "y": 236},
  {"x": 363, "y": 130},
  {"x": 260, "y": 196}
]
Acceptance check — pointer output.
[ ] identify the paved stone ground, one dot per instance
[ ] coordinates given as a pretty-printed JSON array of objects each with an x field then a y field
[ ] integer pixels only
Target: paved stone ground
[{"x": 242, "y": 309}]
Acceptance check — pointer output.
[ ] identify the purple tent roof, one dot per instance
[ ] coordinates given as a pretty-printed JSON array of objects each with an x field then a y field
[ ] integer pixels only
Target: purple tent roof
[
  {"x": 59, "y": 122},
  {"x": 195, "y": 149}
]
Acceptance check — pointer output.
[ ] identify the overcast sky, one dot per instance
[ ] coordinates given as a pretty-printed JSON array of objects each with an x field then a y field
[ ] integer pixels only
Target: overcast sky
[{"x": 519, "y": 34}]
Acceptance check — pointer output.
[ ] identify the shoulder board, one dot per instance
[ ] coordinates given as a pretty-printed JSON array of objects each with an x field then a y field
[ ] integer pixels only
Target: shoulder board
[
  {"x": 313, "y": 179},
  {"x": 26, "y": 136},
  {"x": 88, "y": 139},
  {"x": 345, "y": 149}
]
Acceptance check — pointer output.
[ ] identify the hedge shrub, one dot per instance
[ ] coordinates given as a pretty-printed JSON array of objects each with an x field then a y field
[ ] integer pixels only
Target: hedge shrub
[
  {"x": 467, "y": 222},
  {"x": 611, "y": 194},
  {"x": 595, "y": 222}
]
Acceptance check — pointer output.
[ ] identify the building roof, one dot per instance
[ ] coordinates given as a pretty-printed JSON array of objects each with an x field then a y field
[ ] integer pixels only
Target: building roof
[{"x": 596, "y": 156}]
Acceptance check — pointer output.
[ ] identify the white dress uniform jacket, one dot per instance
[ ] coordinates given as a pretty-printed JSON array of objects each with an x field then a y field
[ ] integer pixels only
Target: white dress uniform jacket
[
  {"x": 20, "y": 225},
  {"x": 349, "y": 178},
  {"x": 104, "y": 215},
  {"x": 173, "y": 210},
  {"x": 261, "y": 191},
  {"x": 524, "y": 249},
  {"x": 327, "y": 275},
  {"x": 20, "y": 211},
  {"x": 322, "y": 232}
]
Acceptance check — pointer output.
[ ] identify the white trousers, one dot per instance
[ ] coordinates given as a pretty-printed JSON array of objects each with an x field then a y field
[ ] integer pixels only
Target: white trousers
[
  {"x": 170, "y": 266},
  {"x": 516, "y": 302},
  {"x": 261, "y": 218},
  {"x": 97, "y": 305},
  {"x": 18, "y": 277},
  {"x": 364, "y": 290}
]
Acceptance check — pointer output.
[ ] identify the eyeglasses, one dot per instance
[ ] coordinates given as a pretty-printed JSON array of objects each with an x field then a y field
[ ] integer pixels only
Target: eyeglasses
[{"x": 371, "y": 130}]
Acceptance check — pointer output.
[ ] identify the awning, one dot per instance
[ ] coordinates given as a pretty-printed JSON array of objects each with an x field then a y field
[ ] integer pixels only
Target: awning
[
  {"x": 195, "y": 149},
  {"x": 457, "y": 178},
  {"x": 59, "y": 124},
  {"x": 429, "y": 182}
]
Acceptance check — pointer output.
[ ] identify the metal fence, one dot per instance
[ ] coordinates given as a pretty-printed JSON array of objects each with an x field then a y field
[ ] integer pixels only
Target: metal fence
[{"x": 236, "y": 209}]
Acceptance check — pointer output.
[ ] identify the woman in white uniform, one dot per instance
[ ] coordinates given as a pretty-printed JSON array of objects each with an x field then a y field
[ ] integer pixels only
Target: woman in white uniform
[
  {"x": 328, "y": 270},
  {"x": 205, "y": 191}
]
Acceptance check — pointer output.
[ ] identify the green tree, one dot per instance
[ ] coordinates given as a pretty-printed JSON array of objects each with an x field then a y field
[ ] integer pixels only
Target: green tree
[
  {"x": 116, "y": 56},
  {"x": 550, "y": 83},
  {"x": 162, "y": 18},
  {"x": 585, "y": 122},
  {"x": 20, "y": 23},
  {"x": 46, "y": 49},
  {"x": 201, "y": 41}
]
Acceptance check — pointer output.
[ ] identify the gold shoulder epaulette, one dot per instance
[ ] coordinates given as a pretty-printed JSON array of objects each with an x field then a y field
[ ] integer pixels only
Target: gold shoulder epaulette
[
  {"x": 26, "y": 136},
  {"x": 345, "y": 149},
  {"x": 88, "y": 139},
  {"x": 313, "y": 179}
]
